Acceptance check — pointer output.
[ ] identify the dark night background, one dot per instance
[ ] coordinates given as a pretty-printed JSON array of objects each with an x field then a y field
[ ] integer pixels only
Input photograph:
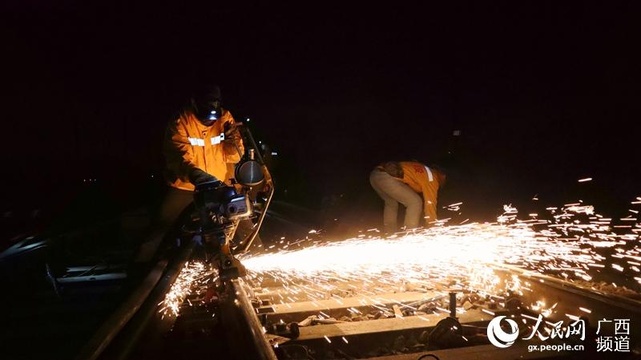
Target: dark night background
[{"x": 543, "y": 94}]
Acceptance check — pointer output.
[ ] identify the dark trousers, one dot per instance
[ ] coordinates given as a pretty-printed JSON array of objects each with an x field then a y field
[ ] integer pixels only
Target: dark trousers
[
  {"x": 177, "y": 206},
  {"x": 172, "y": 209}
]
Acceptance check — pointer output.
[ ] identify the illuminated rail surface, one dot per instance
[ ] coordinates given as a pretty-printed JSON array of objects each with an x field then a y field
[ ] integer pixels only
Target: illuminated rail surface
[{"x": 429, "y": 293}]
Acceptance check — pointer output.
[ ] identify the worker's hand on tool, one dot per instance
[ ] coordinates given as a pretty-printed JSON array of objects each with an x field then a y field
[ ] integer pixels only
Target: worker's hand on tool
[
  {"x": 231, "y": 132},
  {"x": 231, "y": 128},
  {"x": 198, "y": 176}
]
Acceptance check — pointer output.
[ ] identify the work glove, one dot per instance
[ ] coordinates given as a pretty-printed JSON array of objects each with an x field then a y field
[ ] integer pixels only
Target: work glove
[
  {"x": 198, "y": 176},
  {"x": 230, "y": 128},
  {"x": 232, "y": 133}
]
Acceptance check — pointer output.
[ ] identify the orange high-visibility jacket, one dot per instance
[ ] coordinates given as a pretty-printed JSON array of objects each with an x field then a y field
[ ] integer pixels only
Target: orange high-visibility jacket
[
  {"x": 189, "y": 144},
  {"x": 421, "y": 179}
]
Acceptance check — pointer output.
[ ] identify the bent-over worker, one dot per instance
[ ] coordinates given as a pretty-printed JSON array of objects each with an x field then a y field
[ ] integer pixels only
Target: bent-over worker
[{"x": 412, "y": 184}]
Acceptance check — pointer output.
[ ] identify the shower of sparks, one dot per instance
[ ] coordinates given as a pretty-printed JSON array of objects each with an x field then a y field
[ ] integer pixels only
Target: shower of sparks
[
  {"x": 190, "y": 274},
  {"x": 575, "y": 245}
]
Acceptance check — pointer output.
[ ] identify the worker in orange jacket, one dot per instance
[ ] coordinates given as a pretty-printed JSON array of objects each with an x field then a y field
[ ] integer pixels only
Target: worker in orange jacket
[
  {"x": 412, "y": 184},
  {"x": 200, "y": 145}
]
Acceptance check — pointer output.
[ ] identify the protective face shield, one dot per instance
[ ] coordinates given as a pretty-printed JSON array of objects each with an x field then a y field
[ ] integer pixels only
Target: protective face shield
[{"x": 208, "y": 106}]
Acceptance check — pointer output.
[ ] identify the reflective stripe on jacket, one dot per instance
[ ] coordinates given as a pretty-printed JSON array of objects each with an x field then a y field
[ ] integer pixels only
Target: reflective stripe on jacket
[
  {"x": 416, "y": 176},
  {"x": 189, "y": 144}
]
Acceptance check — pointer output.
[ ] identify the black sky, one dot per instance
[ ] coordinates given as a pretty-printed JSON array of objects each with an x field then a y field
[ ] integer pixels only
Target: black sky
[{"x": 544, "y": 93}]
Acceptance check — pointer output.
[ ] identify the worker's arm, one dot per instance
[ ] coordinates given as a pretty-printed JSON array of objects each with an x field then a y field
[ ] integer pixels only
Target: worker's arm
[
  {"x": 415, "y": 176},
  {"x": 233, "y": 146},
  {"x": 178, "y": 151},
  {"x": 430, "y": 200},
  {"x": 180, "y": 156}
]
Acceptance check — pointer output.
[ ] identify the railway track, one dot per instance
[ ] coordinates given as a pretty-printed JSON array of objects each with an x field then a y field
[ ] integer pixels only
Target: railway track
[
  {"x": 262, "y": 318},
  {"x": 449, "y": 323}
]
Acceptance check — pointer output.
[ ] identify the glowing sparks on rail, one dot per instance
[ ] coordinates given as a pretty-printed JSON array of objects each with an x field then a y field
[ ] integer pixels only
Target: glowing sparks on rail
[
  {"x": 191, "y": 272},
  {"x": 575, "y": 244},
  {"x": 423, "y": 257}
]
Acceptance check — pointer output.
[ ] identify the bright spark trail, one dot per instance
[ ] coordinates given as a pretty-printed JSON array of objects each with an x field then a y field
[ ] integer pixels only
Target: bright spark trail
[
  {"x": 191, "y": 273},
  {"x": 574, "y": 244}
]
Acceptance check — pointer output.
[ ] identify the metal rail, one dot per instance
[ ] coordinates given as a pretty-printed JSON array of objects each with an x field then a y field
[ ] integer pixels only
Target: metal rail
[
  {"x": 154, "y": 285},
  {"x": 249, "y": 327},
  {"x": 316, "y": 329},
  {"x": 242, "y": 327}
]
